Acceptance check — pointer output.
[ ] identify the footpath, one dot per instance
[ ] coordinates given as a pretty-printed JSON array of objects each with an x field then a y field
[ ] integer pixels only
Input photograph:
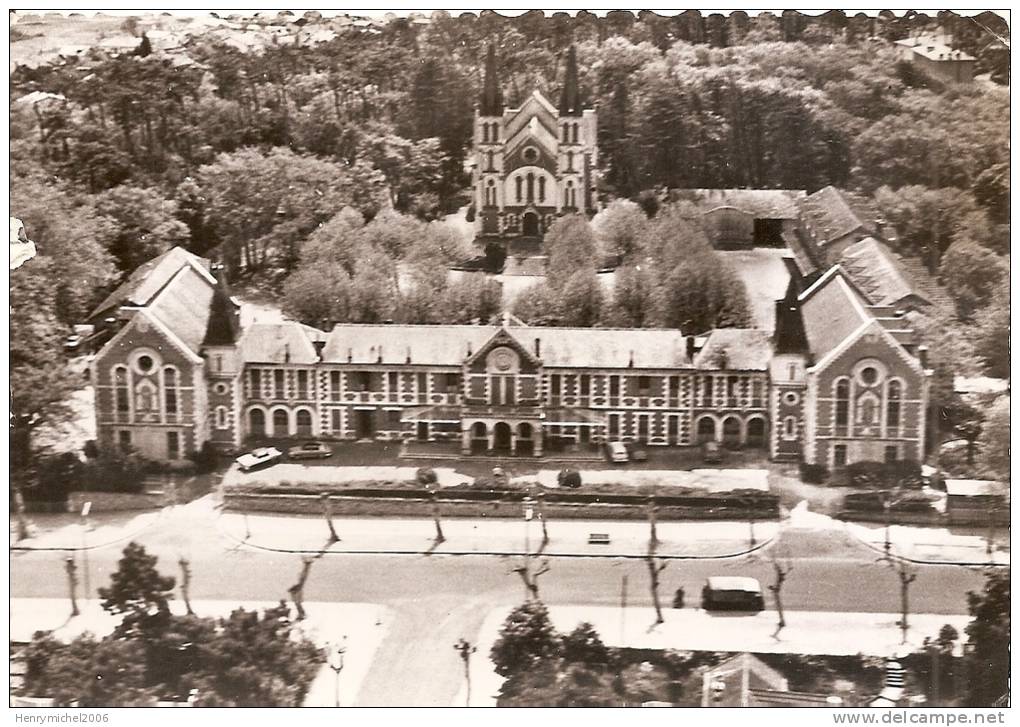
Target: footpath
[
  {"x": 629, "y": 538},
  {"x": 358, "y": 628},
  {"x": 806, "y": 632}
]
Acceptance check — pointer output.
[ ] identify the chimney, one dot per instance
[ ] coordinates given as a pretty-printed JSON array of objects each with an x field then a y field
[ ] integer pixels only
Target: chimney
[
  {"x": 350, "y": 355},
  {"x": 631, "y": 363},
  {"x": 319, "y": 345},
  {"x": 379, "y": 358},
  {"x": 286, "y": 353},
  {"x": 922, "y": 355},
  {"x": 538, "y": 348},
  {"x": 690, "y": 348},
  {"x": 408, "y": 355}
]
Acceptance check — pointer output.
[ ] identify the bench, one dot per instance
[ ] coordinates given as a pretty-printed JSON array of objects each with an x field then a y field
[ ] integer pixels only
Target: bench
[{"x": 598, "y": 539}]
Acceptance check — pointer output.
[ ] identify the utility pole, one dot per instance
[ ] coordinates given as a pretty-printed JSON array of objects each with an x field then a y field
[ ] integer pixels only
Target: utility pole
[
  {"x": 336, "y": 663},
  {"x": 85, "y": 510}
]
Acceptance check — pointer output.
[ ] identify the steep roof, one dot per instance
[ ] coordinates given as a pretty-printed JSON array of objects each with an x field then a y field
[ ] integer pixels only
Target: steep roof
[
  {"x": 789, "y": 336},
  {"x": 560, "y": 347},
  {"x": 277, "y": 343},
  {"x": 570, "y": 95},
  {"x": 224, "y": 324},
  {"x": 887, "y": 278},
  {"x": 742, "y": 349},
  {"x": 149, "y": 278},
  {"x": 183, "y": 306},
  {"x": 832, "y": 311},
  {"x": 832, "y": 213},
  {"x": 492, "y": 97}
]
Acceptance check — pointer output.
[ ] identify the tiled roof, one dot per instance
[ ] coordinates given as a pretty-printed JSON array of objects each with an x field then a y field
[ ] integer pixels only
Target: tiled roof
[
  {"x": 278, "y": 343},
  {"x": 742, "y": 349},
  {"x": 183, "y": 306},
  {"x": 832, "y": 310},
  {"x": 148, "y": 279},
  {"x": 886, "y": 277},
  {"x": 560, "y": 347},
  {"x": 832, "y": 213},
  {"x": 773, "y": 204}
]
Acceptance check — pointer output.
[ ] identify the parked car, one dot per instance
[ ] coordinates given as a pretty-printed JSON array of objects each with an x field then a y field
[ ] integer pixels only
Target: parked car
[
  {"x": 711, "y": 453},
  {"x": 732, "y": 593},
  {"x": 261, "y": 457},
  {"x": 616, "y": 453},
  {"x": 310, "y": 450},
  {"x": 73, "y": 343},
  {"x": 569, "y": 478},
  {"x": 636, "y": 452}
]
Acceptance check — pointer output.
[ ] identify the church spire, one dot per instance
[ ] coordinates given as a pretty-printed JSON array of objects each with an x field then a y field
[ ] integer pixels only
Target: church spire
[
  {"x": 492, "y": 96},
  {"x": 570, "y": 96}
]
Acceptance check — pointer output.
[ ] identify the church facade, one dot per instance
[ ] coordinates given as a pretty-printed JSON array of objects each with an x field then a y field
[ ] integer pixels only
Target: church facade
[{"x": 532, "y": 163}]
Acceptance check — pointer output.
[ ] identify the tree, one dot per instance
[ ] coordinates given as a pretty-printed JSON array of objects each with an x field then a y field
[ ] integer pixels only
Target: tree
[
  {"x": 39, "y": 379},
  {"x": 988, "y": 641},
  {"x": 631, "y": 304},
  {"x": 619, "y": 227},
  {"x": 570, "y": 244},
  {"x": 529, "y": 577},
  {"x": 782, "y": 570},
  {"x": 654, "y": 569},
  {"x": 995, "y": 450},
  {"x": 68, "y": 231},
  {"x": 327, "y": 513},
  {"x": 144, "y": 47},
  {"x": 526, "y": 640},
  {"x": 584, "y": 646},
  {"x": 257, "y": 660},
  {"x": 297, "y": 591},
  {"x": 87, "y": 672},
  {"x": 580, "y": 299},
  {"x": 136, "y": 588},
  {"x": 147, "y": 224},
  {"x": 974, "y": 274},
  {"x": 991, "y": 337}
]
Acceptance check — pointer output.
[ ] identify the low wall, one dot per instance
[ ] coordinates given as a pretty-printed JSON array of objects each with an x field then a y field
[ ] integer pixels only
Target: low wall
[
  {"x": 933, "y": 517},
  {"x": 114, "y": 501},
  {"x": 403, "y": 507}
]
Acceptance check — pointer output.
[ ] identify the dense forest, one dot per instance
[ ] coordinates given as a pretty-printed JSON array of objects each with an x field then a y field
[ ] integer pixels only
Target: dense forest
[{"x": 320, "y": 173}]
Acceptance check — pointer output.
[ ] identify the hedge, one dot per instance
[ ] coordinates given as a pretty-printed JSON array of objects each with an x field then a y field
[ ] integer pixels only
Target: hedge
[{"x": 885, "y": 475}]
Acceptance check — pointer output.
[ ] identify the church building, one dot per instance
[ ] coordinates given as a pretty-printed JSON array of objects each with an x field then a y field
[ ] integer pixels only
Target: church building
[{"x": 532, "y": 163}]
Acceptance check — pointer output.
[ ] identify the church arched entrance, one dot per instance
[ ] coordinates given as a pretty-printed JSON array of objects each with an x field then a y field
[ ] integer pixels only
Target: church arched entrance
[{"x": 530, "y": 224}]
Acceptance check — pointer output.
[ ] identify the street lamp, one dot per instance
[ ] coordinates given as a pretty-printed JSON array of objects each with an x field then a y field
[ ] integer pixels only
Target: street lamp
[{"x": 336, "y": 663}]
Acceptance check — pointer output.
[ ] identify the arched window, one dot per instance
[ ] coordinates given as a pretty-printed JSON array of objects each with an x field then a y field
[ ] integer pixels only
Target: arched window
[
  {"x": 843, "y": 403},
  {"x": 221, "y": 417},
  {"x": 490, "y": 194},
  {"x": 790, "y": 428},
  {"x": 894, "y": 394},
  {"x": 281, "y": 423},
  {"x": 520, "y": 188},
  {"x": 531, "y": 187},
  {"x": 570, "y": 197},
  {"x": 170, "y": 390},
  {"x": 495, "y": 132},
  {"x": 485, "y": 133},
  {"x": 566, "y": 133},
  {"x": 120, "y": 390},
  {"x": 570, "y": 161},
  {"x": 146, "y": 397},
  {"x": 489, "y": 166},
  {"x": 541, "y": 189},
  {"x": 576, "y": 127}
]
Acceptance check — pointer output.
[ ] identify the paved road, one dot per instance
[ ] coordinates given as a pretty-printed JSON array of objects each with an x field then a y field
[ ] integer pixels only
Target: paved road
[{"x": 439, "y": 599}]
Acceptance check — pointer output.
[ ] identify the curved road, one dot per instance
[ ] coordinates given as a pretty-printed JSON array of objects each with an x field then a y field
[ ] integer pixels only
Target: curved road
[{"x": 439, "y": 599}]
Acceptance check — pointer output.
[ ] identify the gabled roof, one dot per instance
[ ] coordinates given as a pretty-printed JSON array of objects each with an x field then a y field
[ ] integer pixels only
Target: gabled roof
[
  {"x": 150, "y": 277},
  {"x": 737, "y": 349},
  {"x": 183, "y": 305},
  {"x": 832, "y": 213},
  {"x": 832, "y": 311},
  {"x": 391, "y": 344},
  {"x": 224, "y": 324},
  {"x": 277, "y": 343}
]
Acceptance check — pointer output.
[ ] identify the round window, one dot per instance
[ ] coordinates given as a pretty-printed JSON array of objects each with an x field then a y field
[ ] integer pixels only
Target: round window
[
  {"x": 531, "y": 155},
  {"x": 145, "y": 364},
  {"x": 791, "y": 398},
  {"x": 869, "y": 375},
  {"x": 220, "y": 389}
]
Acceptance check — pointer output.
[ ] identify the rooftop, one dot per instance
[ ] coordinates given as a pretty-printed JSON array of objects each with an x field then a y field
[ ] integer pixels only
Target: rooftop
[{"x": 773, "y": 204}]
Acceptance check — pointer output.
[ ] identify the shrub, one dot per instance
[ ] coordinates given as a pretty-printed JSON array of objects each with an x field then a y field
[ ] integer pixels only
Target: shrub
[
  {"x": 426, "y": 476},
  {"x": 205, "y": 459},
  {"x": 814, "y": 474},
  {"x": 885, "y": 475},
  {"x": 569, "y": 478}
]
